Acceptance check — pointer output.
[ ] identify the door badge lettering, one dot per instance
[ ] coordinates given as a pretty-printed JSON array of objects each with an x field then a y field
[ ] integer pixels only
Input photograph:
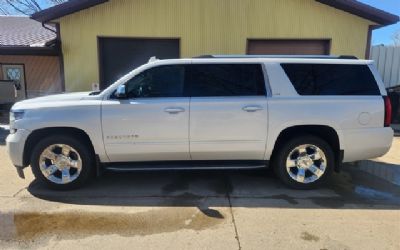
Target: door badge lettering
[{"x": 122, "y": 137}]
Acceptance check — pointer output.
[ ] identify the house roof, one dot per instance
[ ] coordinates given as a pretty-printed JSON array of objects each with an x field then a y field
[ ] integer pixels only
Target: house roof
[
  {"x": 64, "y": 9},
  {"x": 363, "y": 10},
  {"x": 23, "y": 31},
  {"x": 20, "y": 35},
  {"x": 351, "y": 6}
]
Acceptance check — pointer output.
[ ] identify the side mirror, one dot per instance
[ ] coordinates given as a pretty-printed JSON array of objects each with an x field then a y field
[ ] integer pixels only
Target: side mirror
[{"x": 121, "y": 92}]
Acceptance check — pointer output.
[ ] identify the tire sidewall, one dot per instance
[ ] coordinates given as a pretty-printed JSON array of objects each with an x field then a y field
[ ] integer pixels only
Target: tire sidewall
[
  {"x": 83, "y": 150},
  {"x": 282, "y": 154}
]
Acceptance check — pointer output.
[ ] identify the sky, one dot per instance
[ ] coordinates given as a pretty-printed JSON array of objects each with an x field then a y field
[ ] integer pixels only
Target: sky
[{"x": 384, "y": 35}]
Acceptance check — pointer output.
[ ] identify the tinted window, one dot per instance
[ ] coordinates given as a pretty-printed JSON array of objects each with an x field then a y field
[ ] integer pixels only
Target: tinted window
[
  {"x": 331, "y": 79},
  {"x": 162, "y": 81},
  {"x": 226, "y": 80}
]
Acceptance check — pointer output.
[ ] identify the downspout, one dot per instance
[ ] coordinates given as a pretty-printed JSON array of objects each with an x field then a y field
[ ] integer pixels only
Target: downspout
[
  {"x": 47, "y": 28},
  {"x": 371, "y": 28},
  {"x": 59, "y": 50}
]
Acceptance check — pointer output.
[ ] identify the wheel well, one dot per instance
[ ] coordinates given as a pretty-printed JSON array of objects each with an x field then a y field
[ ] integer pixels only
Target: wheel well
[
  {"x": 324, "y": 132},
  {"x": 39, "y": 134}
]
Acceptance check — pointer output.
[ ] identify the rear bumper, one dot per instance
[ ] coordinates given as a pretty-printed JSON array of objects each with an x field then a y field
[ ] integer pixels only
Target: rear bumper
[
  {"x": 16, "y": 145},
  {"x": 367, "y": 143}
]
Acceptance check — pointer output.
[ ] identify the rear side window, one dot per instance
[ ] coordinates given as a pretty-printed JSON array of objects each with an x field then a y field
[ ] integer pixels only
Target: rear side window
[
  {"x": 331, "y": 79},
  {"x": 226, "y": 80}
]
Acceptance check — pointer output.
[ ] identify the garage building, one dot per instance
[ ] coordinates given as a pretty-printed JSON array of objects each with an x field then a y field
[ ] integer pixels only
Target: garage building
[{"x": 104, "y": 39}]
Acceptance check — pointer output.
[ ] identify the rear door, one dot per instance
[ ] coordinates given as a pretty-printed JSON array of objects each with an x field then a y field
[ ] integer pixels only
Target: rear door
[{"x": 228, "y": 111}]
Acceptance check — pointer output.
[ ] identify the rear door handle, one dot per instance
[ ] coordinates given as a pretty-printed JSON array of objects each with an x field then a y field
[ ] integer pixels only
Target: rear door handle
[
  {"x": 174, "y": 110},
  {"x": 252, "y": 108}
]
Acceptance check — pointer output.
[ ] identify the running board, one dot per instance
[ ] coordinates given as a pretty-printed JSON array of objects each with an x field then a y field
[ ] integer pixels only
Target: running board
[{"x": 184, "y": 165}]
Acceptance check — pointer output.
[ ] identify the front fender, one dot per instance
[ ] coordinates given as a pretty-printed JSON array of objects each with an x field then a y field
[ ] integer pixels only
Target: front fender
[{"x": 85, "y": 117}]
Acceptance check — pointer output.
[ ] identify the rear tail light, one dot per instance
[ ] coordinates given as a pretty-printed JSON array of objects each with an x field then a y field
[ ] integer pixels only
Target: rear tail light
[{"x": 388, "y": 111}]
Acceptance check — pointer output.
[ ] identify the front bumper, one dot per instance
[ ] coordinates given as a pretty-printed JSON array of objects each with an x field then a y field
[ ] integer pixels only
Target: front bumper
[{"x": 15, "y": 147}]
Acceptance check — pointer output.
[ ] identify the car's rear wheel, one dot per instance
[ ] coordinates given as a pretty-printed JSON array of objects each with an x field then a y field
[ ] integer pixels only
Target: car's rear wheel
[
  {"x": 62, "y": 162},
  {"x": 304, "y": 162}
]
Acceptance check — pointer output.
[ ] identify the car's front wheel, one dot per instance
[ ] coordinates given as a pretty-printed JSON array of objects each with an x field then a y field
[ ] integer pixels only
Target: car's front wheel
[
  {"x": 304, "y": 162},
  {"x": 62, "y": 162}
]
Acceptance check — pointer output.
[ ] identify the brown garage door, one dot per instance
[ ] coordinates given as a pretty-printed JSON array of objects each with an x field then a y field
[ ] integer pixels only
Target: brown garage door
[{"x": 288, "y": 47}]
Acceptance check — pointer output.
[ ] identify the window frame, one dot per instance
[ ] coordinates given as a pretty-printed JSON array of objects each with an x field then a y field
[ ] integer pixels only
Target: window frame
[
  {"x": 266, "y": 87},
  {"x": 3, "y": 68},
  {"x": 184, "y": 93},
  {"x": 187, "y": 88},
  {"x": 372, "y": 76}
]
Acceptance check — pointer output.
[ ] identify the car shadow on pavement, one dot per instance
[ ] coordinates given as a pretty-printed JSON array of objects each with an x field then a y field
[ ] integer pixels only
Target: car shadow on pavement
[{"x": 349, "y": 189}]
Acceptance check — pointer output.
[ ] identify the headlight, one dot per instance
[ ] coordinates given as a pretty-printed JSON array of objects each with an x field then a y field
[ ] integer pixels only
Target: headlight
[{"x": 16, "y": 115}]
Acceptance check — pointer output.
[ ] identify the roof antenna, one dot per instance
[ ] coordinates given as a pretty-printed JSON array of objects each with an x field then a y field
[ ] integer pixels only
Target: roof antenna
[{"x": 153, "y": 59}]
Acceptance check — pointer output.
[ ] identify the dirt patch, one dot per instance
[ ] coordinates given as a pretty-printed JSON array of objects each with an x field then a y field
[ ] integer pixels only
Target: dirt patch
[
  {"x": 29, "y": 226},
  {"x": 309, "y": 237}
]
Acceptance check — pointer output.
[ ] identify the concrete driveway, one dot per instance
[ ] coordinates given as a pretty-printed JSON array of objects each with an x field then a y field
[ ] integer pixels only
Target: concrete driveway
[{"x": 204, "y": 210}]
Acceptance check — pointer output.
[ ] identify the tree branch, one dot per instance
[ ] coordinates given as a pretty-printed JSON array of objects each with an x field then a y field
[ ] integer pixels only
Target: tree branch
[
  {"x": 26, "y": 7},
  {"x": 16, "y": 7}
]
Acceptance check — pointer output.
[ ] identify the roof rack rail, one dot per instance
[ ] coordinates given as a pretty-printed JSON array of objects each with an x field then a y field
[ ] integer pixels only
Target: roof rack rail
[
  {"x": 275, "y": 56},
  {"x": 347, "y": 57}
]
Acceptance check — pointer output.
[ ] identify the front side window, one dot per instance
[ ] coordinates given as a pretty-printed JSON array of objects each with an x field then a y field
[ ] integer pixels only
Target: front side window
[
  {"x": 161, "y": 81},
  {"x": 226, "y": 80},
  {"x": 331, "y": 79}
]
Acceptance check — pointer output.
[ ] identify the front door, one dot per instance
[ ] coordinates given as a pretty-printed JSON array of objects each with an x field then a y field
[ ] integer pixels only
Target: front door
[
  {"x": 153, "y": 122},
  {"x": 228, "y": 112},
  {"x": 15, "y": 73}
]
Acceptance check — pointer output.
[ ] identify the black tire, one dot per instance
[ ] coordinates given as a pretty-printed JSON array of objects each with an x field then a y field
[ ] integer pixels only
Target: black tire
[
  {"x": 282, "y": 153},
  {"x": 84, "y": 150}
]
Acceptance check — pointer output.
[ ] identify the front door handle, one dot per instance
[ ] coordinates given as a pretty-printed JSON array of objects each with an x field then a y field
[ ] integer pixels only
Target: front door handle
[
  {"x": 252, "y": 108},
  {"x": 174, "y": 110}
]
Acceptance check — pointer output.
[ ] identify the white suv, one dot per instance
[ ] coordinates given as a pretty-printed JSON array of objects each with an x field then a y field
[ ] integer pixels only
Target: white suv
[{"x": 303, "y": 115}]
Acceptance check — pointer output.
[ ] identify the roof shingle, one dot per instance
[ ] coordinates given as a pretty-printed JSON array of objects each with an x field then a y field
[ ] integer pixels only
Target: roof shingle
[{"x": 23, "y": 31}]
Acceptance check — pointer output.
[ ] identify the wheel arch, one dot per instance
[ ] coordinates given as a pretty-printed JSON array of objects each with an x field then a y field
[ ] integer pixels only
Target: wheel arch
[
  {"x": 49, "y": 131},
  {"x": 325, "y": 132}
]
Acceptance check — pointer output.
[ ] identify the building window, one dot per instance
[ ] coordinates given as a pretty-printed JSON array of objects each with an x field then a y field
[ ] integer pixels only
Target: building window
[{"x": 13, "y": 74}]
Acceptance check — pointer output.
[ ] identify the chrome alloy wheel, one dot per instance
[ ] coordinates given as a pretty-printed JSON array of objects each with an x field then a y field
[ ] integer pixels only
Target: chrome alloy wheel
[
  {"x": 306, "y": 163},
  {"x": 60, "y": 163}
]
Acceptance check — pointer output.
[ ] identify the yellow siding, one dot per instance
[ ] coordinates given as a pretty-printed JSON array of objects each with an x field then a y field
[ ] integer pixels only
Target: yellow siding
[{"x": 204, "y": 27}]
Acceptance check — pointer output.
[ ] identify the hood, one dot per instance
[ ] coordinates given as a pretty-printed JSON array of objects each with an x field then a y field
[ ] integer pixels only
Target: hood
[{"x": 52, "y": 99}]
